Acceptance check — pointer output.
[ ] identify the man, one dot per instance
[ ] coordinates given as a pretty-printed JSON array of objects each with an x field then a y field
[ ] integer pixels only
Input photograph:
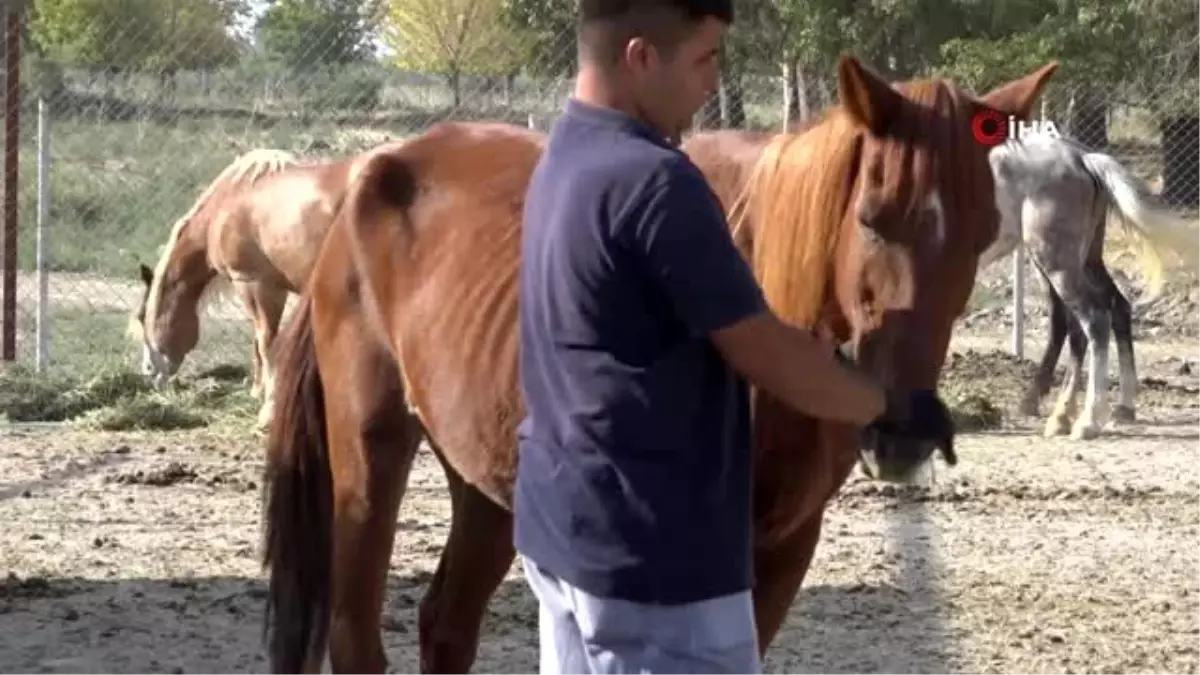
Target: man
[{"x": 638, "y": 322}]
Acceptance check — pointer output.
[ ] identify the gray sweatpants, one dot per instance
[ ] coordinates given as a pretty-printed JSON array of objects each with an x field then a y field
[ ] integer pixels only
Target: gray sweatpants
[{"x": 582, "y": 633}]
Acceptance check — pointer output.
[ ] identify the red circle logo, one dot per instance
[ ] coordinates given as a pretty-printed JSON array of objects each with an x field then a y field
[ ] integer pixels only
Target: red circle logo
[{"x": 989, "y": 127}]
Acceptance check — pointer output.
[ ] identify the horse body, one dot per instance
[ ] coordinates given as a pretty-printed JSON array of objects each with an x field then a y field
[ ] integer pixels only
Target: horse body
[
  {"x": 1055, "y": 197},
  {"x": 408, "y": 327},
  {"x": 257, "y": 228}
]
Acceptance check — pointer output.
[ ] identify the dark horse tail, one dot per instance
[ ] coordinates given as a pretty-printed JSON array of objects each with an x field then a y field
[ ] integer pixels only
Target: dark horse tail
[{"x": 298, "y": 505}]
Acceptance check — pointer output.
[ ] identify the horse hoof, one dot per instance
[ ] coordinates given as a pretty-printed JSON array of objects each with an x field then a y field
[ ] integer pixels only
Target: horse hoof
[
  {"x": 1123, "y": 413},
  {"x": 1057, "y": 425},
  {"x": 1084, "y": 432}
]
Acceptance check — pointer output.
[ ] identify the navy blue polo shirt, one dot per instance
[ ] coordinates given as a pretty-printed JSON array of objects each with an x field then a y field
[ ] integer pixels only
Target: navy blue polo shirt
[{"x": 633, "y": 476}]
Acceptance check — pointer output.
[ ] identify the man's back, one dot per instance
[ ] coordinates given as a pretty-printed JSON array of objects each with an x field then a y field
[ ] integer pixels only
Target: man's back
[{"x": 634, "y": 471}]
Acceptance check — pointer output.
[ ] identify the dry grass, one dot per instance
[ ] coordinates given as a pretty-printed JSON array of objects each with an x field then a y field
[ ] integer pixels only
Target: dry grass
[{"x": 121, "y": 400}]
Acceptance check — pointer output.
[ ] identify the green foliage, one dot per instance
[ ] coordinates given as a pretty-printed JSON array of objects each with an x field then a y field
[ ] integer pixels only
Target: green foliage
[
  {"x": 136, "y": 34},
  {"x": 549, "y": 28},
  {"x": 306, "y": 33},
  {"x": 193, "y": 35},
  {"x": 453, "y": 37},
  {"x": 1099, "y": 43},
  {"x": 94, "y": 33}
]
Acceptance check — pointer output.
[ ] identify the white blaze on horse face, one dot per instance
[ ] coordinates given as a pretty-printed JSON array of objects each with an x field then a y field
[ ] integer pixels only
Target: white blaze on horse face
[{"x": 155, "y": 365}]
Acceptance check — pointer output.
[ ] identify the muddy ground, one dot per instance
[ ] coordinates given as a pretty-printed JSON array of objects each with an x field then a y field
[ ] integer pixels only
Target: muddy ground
[{"x": 139, "y": 553}]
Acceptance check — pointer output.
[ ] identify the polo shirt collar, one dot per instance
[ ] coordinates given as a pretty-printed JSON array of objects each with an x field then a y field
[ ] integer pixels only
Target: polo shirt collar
[{"x": 612, "y": 118}]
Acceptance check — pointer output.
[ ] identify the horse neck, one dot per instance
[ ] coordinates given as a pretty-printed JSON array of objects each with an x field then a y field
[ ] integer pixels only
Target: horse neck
[{"x": 187, "y": 272}]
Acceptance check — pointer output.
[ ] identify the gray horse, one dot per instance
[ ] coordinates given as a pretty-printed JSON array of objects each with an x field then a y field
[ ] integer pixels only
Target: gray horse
[{"x": 1055, "y": 195}]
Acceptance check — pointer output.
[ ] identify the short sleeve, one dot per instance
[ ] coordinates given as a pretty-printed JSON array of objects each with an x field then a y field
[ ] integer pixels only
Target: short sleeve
[{"x": 679, "y": 232}]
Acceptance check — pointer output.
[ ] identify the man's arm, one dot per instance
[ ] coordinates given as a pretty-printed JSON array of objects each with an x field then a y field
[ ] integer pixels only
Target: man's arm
[
  {"x": 798, "y": 368},
  {"x": 681, "y": 235}
]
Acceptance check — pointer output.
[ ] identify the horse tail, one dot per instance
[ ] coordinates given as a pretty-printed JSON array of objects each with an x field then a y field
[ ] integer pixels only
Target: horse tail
[
  {"x": 298, "y": 505},
  {"x": 1158, "y": 229}
]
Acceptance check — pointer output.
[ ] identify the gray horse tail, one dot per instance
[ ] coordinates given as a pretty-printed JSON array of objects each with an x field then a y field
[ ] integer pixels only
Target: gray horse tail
[{"x": 1158, "y": 229}]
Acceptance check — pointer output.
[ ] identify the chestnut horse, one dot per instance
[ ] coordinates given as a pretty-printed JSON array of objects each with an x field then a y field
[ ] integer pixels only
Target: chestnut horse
[
  {"x": 869, "y": 223},
  {"x": 257, "y": 227}
]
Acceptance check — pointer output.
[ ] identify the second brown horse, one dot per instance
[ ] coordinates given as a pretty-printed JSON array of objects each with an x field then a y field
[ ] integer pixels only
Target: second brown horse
[{"x": 867, "y": 224}]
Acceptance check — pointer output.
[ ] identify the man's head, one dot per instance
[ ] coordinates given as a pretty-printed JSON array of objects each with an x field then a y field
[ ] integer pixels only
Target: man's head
[{"x": 657, "y": 58}]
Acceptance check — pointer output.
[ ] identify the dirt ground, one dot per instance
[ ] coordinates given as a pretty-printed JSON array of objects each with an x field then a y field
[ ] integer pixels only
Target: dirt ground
[{"x": 139, "y": 553}]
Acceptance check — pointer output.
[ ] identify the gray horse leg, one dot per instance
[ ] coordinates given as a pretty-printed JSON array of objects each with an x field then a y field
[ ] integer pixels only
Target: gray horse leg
[
  {"x": 1059, "y": 321},
  {"x": 1096, "y": 319},
  {"x": 1086, "y": 319},
  {"x": 1122, "y": 328}
]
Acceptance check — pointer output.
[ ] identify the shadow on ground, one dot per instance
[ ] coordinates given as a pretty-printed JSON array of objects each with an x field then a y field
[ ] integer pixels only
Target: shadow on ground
[{"x": 214, "y": 624}]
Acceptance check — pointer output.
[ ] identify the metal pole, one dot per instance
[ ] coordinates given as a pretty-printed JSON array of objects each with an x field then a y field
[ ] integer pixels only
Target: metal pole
[
  {"x": 12, "y": 139},
  {"x": 1018, "y": 301},
  {"x": 43, "y": 219}
]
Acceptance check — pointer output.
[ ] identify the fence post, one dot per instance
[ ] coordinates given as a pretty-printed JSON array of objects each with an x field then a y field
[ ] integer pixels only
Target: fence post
[
  {"x": 12, "y": 140},
  {"x": 1018, "y": 301},
  {"x": 43, "y": 219}
]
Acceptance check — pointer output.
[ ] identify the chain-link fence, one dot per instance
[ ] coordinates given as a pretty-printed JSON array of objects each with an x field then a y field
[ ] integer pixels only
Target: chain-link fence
[{"x": 144, "y": 102}]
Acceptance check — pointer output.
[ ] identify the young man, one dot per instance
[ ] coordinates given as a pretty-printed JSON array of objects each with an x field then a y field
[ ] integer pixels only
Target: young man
[{"x": 638, "y": 322}]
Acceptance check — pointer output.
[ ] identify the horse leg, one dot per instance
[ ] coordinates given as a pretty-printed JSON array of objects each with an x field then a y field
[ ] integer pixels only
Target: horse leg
[
  {"x": 779, "y": 570},
  {"x": 246, "y": 291},
  {"x": 1095, "y": 317},
  {"x": 372, "y": 445},
  {"x": 427, "y": 612},
  {"x": 478, "y": 553},
  {"x": 1065, "y": 407},
  {"x": 1059, "y": 321},
  {"x": 271, "y": 300},
  {"x": 1122, "y": 328}
]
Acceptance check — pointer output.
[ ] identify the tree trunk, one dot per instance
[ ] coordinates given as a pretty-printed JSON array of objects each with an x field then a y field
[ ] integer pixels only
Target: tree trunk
[
  {"x": 803, "y": 102},
  {"x": 1180, "y": 160},
  {"x": 790, "y": 100},
  {"x": 455, "y": 81},
  {"x": 510, "y": 81}
]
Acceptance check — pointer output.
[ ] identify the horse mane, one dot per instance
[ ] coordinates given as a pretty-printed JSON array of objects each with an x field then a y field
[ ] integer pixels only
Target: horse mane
[
  {"x": 799, "y": 179},
  {"x": 246, "y": 169},
  {"x": 799, "y": 190}
]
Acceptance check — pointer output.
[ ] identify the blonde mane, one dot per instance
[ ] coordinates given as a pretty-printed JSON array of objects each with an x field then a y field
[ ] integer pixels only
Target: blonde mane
[
  {"x": 800, "y": 180},
  {"x": 243, "y": 171}
]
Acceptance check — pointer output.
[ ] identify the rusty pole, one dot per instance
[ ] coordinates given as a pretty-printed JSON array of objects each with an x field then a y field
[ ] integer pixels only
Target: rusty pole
[{"x": 12, "y": 140}]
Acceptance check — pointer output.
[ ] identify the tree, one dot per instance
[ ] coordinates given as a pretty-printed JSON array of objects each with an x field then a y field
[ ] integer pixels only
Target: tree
[
  {"x": 453, "y": 38},
  {"x": 162, "y": 35},
  {"x": 1092, "y": 39},
  {"x": 195, "y": 35},
  {"x": 550, "y": 34},
  {"x": 95, "y": 34},
  {"x": 308, "y": 33}
]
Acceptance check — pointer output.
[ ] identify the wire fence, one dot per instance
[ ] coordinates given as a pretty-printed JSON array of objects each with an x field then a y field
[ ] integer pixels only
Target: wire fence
[{"x": 112, "y": 152}]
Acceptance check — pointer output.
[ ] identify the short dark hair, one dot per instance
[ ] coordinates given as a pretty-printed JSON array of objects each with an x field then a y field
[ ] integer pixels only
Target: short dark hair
[{"x": 606, "y": 26}]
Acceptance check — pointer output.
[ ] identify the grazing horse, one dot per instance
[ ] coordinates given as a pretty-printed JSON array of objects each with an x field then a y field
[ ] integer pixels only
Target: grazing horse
[
  {"x": 869, "y": 223},
  {"x": 1055, "y": 196},
  {"x": 257, "y": 227}
]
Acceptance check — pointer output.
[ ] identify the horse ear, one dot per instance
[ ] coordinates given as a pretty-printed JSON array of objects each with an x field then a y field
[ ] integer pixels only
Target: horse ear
[
  {"x": 147, "y": 273},
  {"x": 1016, "y": 97},
  {"x": 869, "y": 98}
]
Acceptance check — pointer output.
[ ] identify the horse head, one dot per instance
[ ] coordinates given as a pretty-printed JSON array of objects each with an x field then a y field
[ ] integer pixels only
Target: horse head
[
  {"x": 869, "y": 225},
  {"x": 167, "y": 322}
]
